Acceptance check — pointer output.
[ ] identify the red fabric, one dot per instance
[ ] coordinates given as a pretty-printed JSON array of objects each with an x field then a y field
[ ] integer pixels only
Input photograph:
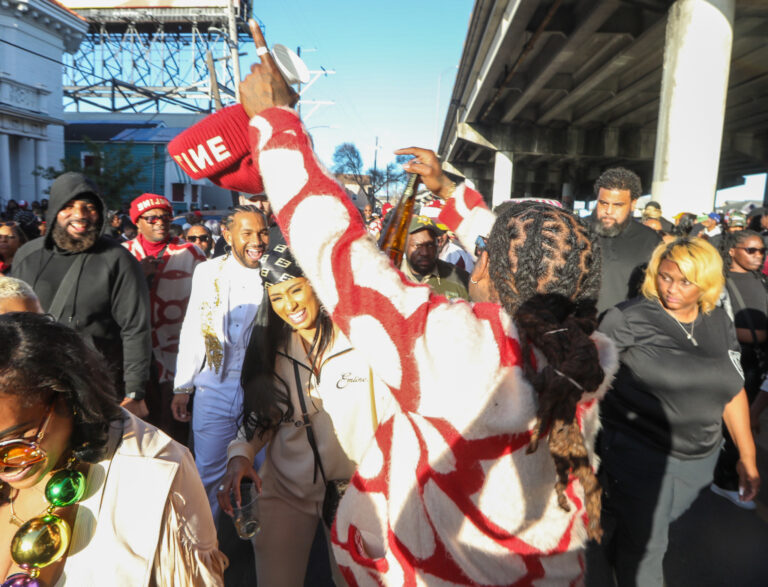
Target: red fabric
[
  {"x": 168, "y": 296},
  {"x": 4, "y": 268},
  {"x": 408, "y": 320},
  {"x": 145, "y": 203},
  {"x": 151, "y": 249},
  {"x": 218, "y": 148}
]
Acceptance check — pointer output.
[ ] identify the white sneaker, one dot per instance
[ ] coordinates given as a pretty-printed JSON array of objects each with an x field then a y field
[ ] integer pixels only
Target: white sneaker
[{"x": 733, "y": 497}]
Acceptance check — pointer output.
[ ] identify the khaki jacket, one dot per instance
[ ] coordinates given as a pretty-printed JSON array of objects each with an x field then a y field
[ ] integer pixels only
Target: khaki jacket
[{"x": 145, "y": 520}]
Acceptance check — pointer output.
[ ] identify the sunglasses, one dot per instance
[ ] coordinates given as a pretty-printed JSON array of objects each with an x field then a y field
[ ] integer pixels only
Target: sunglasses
[
  {"x": 10, "y": 223},
  {"x": 202, "y": 238},
  {"x": 19, "y": 453},
  {"x": 753, "y": 250},
  {"x": 156, "y": 219},
  {"x": 481, "y": 243}
]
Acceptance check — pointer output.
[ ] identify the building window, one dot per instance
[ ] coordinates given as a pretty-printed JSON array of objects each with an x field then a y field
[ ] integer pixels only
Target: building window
[
  {"x": 90, "y": 163},
  {"x": 177, "y": 192}
]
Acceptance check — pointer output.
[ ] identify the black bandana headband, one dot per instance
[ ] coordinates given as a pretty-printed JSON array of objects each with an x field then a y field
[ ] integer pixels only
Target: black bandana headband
[{"x": 278, "y": 265}]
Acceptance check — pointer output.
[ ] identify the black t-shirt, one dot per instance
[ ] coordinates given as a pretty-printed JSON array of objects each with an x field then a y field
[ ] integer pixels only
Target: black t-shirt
[
  {"x": 668, "y": 393},
  {"x": 623, "y": 263},
  {"x": 755, "y": 298}
]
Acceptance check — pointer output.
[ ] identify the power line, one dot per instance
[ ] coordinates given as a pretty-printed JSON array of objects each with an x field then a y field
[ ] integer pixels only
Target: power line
[{"x": 34, "y": 53}]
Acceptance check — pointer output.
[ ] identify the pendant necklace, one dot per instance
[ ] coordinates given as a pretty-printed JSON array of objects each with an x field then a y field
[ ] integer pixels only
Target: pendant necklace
[{"x": 689, "y": 335}]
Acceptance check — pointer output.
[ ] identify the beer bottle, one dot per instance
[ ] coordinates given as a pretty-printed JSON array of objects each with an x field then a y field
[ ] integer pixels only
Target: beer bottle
[{"x": 393, "y": 237}]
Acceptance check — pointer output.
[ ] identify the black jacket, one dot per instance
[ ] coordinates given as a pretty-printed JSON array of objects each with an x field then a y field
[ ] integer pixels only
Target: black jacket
[
  {"x": 109, "y": 305},
  {"x": 624, "y": 260}
]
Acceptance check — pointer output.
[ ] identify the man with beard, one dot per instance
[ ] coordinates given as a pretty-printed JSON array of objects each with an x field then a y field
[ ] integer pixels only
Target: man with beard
[
  {"x": 421, "y": 264},
  {"x": 168, "y": 265},
  {"x": 226, "y": 293},
  {"x": 626, "y": 245},
  {"x": 92, "y": 284}
]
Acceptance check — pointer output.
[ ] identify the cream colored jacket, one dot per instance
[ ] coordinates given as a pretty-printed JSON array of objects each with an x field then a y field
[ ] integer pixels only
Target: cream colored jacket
[
  {"x": 145, "y": 520},
  {"x": 339, "y": 408}
]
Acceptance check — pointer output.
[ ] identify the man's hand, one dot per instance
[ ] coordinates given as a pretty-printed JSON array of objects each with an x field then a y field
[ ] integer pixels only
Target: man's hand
[
  {"x": 265, "y": 87},
  {"x": 179, "y": 405},
  {"x": 137, "y": 407},
  {"x": 427, "y": 165}
]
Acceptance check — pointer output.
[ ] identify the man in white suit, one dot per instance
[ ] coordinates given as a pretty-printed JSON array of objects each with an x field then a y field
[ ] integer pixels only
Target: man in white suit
[{"x": 226, "y": 293}]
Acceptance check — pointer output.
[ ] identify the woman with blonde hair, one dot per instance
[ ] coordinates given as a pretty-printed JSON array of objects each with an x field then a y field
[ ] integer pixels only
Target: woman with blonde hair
[{"x": 679, "y": 376}]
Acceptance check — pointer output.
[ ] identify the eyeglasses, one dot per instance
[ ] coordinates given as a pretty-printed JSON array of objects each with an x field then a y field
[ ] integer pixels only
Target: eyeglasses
[
  {"x": 481, "y": 243},
  {"x": 753, "y": 250},
  {"x": 19, "y": 453},
  {"x": 156, "y": 219},
  {"x": 203, "y": 238}
]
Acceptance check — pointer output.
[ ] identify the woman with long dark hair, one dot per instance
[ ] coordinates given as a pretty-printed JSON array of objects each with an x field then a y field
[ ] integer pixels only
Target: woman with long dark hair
[
  {"x": 11, "y": 238},
  {"x": 310, "y": 399},
  {"x": 121, "y": 502}
]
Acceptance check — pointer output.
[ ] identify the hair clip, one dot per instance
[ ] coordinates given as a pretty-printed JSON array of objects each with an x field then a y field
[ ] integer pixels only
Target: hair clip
[
  {"x": 576, "y": 383},
  {"x": 556, "y": 331}
]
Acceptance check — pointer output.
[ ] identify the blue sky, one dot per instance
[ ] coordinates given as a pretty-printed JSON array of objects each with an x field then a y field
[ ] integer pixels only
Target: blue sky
[{"x": 389, "y": 59}]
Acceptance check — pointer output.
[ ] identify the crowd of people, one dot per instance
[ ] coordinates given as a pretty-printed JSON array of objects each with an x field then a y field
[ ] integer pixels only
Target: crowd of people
[{"x": 528, "y": 397}]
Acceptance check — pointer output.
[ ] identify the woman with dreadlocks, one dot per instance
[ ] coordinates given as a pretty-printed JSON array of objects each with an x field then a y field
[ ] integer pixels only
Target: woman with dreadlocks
[
  {"x": 483, "y": 473},
  {"x": 679, "y": 377}
]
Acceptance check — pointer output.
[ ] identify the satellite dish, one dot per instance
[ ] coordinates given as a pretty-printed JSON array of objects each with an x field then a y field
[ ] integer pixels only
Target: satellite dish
[{"x": 292, "y": 67}]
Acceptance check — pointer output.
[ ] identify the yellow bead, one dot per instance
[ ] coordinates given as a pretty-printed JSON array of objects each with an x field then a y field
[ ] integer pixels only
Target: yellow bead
[{"x": 41, "y": 541}]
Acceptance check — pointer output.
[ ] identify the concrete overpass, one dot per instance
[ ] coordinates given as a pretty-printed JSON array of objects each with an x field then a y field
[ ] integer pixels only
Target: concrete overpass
[{"x": 551, "y": 92}]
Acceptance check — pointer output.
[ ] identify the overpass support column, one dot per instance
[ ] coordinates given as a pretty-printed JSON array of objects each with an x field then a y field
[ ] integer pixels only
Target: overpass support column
[
  {"x": 697, "y": 57},
  {"x": 502, "y": 177}
]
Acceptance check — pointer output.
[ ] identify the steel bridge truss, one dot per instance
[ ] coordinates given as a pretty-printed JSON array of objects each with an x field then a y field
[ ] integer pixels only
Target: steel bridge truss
[{"x": 147, "y": 60}]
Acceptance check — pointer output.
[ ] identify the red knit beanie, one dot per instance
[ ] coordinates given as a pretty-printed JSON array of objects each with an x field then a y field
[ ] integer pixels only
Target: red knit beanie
[
  {"x": 145, "y": 203},
  {"x": 218, "y": 148}
]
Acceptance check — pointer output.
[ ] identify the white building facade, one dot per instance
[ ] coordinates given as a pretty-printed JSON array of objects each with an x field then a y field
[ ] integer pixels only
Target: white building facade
[{"x": 34, "y": 34}]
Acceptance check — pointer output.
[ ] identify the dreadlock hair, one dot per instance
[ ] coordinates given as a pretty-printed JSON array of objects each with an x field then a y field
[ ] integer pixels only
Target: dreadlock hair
[
  {"x": 619, "y": 178},
  {"x": 266, "y": 395},
  {"x": 731, "y": 240},
  {"x": 546, "y": 270}
]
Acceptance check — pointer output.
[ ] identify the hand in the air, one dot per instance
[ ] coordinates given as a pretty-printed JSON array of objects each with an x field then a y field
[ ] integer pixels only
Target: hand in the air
[
  {"x": 265, "y": 86},
  {"x": 427, "y": 165}
]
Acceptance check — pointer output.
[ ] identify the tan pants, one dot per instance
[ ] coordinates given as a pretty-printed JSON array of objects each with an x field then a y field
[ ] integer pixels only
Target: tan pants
[{"x": 282, "y": 547}]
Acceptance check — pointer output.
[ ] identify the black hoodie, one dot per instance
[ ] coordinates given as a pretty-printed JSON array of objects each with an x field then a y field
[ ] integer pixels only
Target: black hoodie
[{"x": 109, "y": 304}]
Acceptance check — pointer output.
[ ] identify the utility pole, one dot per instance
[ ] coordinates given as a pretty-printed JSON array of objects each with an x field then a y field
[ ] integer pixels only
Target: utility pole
[{"x": 234, "y": 49}]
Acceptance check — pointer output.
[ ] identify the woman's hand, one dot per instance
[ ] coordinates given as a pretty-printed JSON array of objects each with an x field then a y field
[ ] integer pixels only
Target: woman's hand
[
  {"x": 749, "y": 480},
  {"x": 426, "y": 164},
  {"x": 237, "y": 468}
]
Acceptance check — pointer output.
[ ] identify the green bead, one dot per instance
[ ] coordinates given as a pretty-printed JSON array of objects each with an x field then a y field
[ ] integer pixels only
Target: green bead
[
  {"x": 41, "y": 541},
  {"x": 65, "y": 487}
]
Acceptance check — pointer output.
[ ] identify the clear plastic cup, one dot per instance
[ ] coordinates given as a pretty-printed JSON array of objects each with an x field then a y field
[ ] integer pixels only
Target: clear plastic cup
[{"x": 246, "y": 517}]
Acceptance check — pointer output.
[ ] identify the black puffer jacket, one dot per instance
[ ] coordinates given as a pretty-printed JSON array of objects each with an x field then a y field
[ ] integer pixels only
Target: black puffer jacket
[{"x": 109, "y": 304}]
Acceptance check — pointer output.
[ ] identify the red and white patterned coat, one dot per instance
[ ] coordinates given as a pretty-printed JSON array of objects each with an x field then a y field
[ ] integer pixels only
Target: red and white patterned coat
[
  {"x": 446, "y": 494},
  {"x": 169, "y": 296}
]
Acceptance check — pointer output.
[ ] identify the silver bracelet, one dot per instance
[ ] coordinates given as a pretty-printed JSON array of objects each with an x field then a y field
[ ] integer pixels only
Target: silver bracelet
[{"x": 183, "y": 390}]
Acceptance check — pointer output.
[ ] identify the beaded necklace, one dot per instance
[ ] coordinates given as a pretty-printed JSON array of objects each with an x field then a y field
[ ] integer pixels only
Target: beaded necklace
[{"x": 44, "y": 539}]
